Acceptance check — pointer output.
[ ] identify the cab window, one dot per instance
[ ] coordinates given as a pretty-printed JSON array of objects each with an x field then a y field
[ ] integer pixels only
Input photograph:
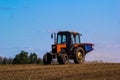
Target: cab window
[
  {"x": 72, "y": 39},
  {"x": 61, "y": 39},
  {"x": 77, "y": 39}
]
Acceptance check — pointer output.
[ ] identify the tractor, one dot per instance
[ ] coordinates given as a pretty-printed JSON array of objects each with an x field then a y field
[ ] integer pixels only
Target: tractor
[{"x": 67, "y": 46}]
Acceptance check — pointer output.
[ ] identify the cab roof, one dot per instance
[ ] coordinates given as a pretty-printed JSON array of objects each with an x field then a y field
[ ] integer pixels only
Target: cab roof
[{"x": 69, "y": 32}]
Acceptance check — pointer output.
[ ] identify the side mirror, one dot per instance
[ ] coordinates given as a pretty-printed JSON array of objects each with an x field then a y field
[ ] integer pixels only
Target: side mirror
[{"x": 51, "y": 36}]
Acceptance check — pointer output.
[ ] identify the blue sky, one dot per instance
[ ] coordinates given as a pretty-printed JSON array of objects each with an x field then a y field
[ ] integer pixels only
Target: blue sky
[{"x": 27, "y": 25}]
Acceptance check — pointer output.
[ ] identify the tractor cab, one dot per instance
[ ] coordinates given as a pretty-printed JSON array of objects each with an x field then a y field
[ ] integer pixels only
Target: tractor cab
[{"x": 66, "y": 40}]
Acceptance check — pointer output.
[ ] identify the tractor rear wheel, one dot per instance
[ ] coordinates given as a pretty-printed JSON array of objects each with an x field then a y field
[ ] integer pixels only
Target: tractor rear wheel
[
  {"x": 79, "y": 55},
  {"x": 62, "y": 58},
  {"x": 47, "y": 58}
]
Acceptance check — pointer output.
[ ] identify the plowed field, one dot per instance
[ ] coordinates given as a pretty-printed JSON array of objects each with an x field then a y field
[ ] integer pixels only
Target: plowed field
[{"x": 86, "y": 71}]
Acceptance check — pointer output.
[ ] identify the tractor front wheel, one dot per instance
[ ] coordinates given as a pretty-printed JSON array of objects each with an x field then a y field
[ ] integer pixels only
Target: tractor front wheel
[
  {"x": 47, "y": 58},
  {"x": 79, "y": 55}
]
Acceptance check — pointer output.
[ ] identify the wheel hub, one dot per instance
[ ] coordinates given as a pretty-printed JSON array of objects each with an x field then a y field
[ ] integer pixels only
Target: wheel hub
[{"x": 80, "y": 56}]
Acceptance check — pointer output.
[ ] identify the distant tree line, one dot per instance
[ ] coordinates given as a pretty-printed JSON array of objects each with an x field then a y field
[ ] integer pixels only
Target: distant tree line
[
  {"x": 4, "y": 60},
  {"x": 22, "y": 58}
]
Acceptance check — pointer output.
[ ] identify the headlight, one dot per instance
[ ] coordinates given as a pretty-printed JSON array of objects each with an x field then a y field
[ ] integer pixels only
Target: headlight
[{"x": 53, "y": 47}]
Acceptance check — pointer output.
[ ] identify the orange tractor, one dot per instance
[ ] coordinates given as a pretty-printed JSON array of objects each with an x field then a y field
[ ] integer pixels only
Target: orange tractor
[{"x": 67, "y": 46}]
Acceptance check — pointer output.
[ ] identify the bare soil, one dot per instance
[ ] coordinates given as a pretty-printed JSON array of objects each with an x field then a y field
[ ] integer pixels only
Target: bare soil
[{"x": 86, "y": 71}]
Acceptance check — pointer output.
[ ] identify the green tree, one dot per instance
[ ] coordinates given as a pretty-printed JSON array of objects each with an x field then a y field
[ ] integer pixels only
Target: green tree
[
  {"x": 21, "y": 58},
  {"x": 1, "y": 60},
  {"x": 10, "y": 60},
  {"x": 39, "y": 61},
  {"x": 5, "y": 60},
  {"x": 33, "y": 58}
]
